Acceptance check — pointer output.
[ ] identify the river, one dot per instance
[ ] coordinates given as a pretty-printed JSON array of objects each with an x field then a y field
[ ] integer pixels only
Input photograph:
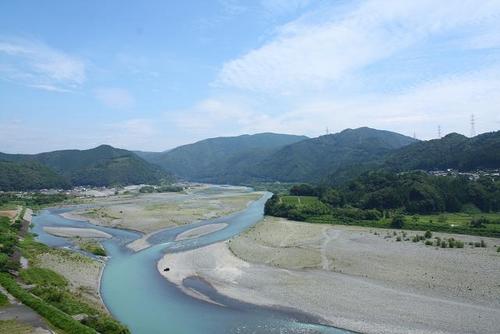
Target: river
[{"x": 137, "y": 295}]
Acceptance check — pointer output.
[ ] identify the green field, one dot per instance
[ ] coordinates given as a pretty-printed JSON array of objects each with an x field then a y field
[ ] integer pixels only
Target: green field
[
  {"x": 455, "y": 223},
  {"x": 301, "y": 200},
  {"x": 304, "y": 208}
]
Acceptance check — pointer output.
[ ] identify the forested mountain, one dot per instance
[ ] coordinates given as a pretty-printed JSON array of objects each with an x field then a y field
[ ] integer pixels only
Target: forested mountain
[
  {"x": 276, "y": 157},
  {"x": 331, "y": 159},
  {"x": 28, "y": 175},
  {"x": 313, "y": 159},
  {"x": 223, "y": 159},
  {"x": 452, "y": 151},
  {"x": 100, "y": 166}
]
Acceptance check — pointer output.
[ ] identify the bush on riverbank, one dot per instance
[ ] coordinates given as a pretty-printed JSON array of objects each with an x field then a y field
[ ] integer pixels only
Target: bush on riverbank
[
  {"x": 93, "y": 247},
  {"x": 43, "y": 277},
  {"x": 3, "y": 300},
  {"x": 55, "y": 316}
]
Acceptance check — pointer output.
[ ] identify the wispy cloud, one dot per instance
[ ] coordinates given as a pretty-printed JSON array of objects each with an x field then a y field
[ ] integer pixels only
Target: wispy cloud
[
  {"x": 317, "y": 49},
  {"x": 35, "y": 64},
  {"x": 116, "y": 98},
  {"x": 211, "y": 115},
  {"x": 447, "y": 102}
]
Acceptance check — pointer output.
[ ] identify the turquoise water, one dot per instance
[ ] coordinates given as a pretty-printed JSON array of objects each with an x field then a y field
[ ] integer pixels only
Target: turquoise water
[{"x": 137, "y": 295}]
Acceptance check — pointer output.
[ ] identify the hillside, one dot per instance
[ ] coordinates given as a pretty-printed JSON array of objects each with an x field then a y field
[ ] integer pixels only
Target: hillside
[
  {"x": 313, "y": 159},
  {"x": 452, "y": 151},
  {"x": 100, "y": 166},
  {"x": 221, "y": 159},
  {"x": 27, "y": 176}
]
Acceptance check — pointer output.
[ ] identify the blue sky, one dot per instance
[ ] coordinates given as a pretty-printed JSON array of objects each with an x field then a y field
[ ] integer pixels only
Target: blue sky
[{"x": 152, "y": 75}]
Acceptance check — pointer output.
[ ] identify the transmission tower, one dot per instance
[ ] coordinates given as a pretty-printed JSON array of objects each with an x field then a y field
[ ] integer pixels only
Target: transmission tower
[{"x": 472, "y": 126}]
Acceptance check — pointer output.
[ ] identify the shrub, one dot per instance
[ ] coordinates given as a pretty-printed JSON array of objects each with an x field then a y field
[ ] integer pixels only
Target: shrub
[
  {"x": 444, "y": 244},
  {"x": 397, "y": 221},
  {"x": 147, "y": 190},
  {"x": 459, "y": 244},
  {"x": 451, "y": 243},
  {"x": 415, "y": 238},
  {"x": 3, "y": 300},
  {"x": 477, "y": 244},
  {"x": 482, "y": 243},
  {"x": 94, "y": 248},
  {"x": 428, "y": 234},
  {"x": 105, "y": 325},
  {"x": 56, "y": 317},
  {"x": 428, "y": 242},
  {"x": 398, "y": 238},
  {"x": 42, "y": 277},
  {"x": 498, "y": 249},
  {"x": 479, "y": 222}
]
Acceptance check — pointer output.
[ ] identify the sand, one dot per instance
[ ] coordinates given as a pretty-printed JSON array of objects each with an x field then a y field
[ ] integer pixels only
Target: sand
[
  {"x": 200, "y": 231},
  {"x": 11, "y": 214},
  {"x": 352, "y": 278},
  {"x": 73, "y": 232},
  {"x": 148, "y": 213},
  {"x": 83, "y": 273}
]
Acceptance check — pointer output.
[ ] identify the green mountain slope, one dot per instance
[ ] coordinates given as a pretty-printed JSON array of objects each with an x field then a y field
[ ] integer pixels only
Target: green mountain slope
[
  {"x": 452, "y": 151},
  {"x": 313, "y": 159},
  {"x": 223, "y": 159},
  {"x": 28, "y": 176},
  {"x": 100, "y": 166}
]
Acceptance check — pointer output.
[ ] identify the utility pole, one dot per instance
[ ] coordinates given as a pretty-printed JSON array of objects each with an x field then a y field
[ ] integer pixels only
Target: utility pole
[
  {"x": 472, "y": 126},
  {"x": 327, "y": 131},
  {"x": 439, "y": 131},
  {"x": 414, "y": 135}
]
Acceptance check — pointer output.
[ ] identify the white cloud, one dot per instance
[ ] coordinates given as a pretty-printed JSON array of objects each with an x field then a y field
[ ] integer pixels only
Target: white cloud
[
  {"x": 116, "y": 98},
  {"x": 316, "y": 50},
  {"x": 448, "y": 103},
  {"x": 35, "y": 64},
  {"x": 132, "y": 133},
  {"x": 211, "y": 115}
]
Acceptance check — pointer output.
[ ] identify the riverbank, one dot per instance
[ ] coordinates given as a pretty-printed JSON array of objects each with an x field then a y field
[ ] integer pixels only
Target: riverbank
[
  {"x": 355, "y": 278},
  {"x": 200, "y": 231},
  {"x": 82, "y": 273}
]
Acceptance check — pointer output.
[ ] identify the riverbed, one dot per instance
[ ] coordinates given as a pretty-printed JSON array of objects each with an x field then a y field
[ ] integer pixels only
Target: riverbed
[{"x": 136, "y": 294}]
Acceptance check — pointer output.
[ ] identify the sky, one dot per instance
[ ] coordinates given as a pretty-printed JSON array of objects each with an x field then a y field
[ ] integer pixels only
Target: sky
[{"x": 151, "y": 75}]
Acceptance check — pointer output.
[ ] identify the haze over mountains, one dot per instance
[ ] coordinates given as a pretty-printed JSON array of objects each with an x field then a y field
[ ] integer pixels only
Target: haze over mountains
[{"x": 247, "y": 159}]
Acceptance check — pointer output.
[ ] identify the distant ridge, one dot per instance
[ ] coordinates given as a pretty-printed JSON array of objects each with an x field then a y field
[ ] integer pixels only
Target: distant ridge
[
  {"x": 313, "y": 159},
  {"x": 452, "y": 151},
  {"x": 276, "y": 157},
  {"x": 220, "y": 159},
  {"x": 100, "y": 166}
]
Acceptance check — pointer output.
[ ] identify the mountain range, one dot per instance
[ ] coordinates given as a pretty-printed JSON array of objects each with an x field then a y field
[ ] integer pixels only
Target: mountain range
[
  {"x": 100, "y": 166},
  {"x": 245, "y": 159}
]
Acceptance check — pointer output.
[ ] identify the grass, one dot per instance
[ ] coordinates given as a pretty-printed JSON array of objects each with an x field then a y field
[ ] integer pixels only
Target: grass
[
  {"x": 55, "y": 316},
  {"x": 14, "y": 327},
  {"x": 43, "y": 277},
  {"x": 3, "y": 300},
  {"x": 300, "y": 200},
  {"x": 93, "y": 247}
]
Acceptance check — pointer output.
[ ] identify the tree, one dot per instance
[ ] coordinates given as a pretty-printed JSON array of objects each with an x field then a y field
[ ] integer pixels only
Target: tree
[
  {"x": 333, "y": 197},
  {"x": 397, "y": 221}
]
